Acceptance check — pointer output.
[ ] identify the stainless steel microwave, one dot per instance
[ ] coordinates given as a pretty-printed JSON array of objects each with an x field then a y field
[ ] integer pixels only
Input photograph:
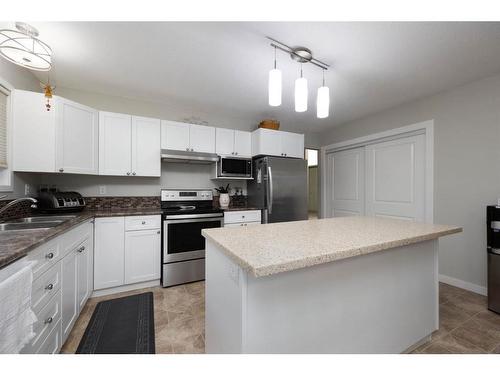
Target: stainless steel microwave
[{"x": 234, "y": 167}]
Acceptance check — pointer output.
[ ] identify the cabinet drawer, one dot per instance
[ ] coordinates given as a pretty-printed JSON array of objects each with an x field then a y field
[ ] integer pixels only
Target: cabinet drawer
[
  {"x": 45, "y": 287},
  {"x": 242, "y": 224},
  {"x": 44, "y": 257},
  {"x": 48, "y": 317},
  {"x": 231, "y": 217},
  {"x": 73, "y": 238},
  {"x": 142, "y": 222},
  {"x": 53, "y": 342}
]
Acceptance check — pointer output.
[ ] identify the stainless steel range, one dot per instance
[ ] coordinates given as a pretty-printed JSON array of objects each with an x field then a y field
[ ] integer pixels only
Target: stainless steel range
[{"x": 185, "y": 214}]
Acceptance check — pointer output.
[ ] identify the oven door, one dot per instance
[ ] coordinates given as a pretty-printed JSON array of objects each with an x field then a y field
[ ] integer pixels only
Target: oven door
[
  {"x": 234, "y": 167},
  {"x": 182, "y": 239}
]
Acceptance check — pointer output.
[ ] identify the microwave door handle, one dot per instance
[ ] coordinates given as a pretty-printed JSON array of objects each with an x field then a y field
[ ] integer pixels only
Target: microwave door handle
[{"x": 270, "y": 190}]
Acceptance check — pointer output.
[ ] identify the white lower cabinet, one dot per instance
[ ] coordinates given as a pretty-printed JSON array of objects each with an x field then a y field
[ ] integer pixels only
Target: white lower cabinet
[
  {"x": 62, "y": 283},
  {"x": 126, "y": 256},
  {"x": 142, "y": 255},
  {"x": 242, "y": 218}
]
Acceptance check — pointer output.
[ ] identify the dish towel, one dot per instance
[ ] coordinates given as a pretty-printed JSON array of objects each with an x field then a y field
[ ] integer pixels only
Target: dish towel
[{"x": 16, "y": 316}]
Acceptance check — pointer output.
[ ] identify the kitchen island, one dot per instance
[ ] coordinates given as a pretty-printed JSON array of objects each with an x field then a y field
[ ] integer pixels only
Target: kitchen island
[{"x": 340, "y": 285}]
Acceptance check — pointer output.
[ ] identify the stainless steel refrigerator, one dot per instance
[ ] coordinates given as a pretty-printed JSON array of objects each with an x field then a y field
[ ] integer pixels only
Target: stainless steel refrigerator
[{"x": 279, "y": 188}]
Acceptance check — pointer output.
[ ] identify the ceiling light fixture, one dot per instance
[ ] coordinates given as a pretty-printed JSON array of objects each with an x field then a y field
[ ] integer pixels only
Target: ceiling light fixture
[
  {"x": 323, "y": 100},
  {"x": 301, "y": 93},
  {"x": 22, "y": 47},
  {"x": 274, "y": 85},
  {"x": 301, "y": 55}
]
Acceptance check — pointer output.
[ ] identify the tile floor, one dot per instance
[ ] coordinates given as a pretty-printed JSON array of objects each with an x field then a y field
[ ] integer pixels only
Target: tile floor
[{"x": 466, "y": 325}]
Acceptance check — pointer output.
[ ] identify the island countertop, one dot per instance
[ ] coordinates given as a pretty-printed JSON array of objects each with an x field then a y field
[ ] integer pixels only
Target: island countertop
[{"x": 264, "y": 250}]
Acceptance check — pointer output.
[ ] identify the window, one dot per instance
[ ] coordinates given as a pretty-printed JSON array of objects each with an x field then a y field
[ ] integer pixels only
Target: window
[{"x": 4, "y": 93}]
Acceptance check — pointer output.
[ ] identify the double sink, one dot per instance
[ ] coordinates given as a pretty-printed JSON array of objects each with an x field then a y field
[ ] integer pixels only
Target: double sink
[{"x": 35, "y": 222}]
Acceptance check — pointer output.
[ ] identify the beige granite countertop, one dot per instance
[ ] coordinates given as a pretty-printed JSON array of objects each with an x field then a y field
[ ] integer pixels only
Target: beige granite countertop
[
  {"x": 16, "y": 244},
  {"x": 267, "y": 249}
]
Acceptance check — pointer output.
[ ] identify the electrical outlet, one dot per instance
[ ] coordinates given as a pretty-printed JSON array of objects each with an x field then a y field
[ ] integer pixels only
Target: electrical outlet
[
  {"x": 27, "y": 189},
  {"x": 102, "y": 189}
]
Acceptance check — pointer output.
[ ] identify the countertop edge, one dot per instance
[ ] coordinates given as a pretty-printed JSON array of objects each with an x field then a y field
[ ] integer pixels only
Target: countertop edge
[{"x": 327, "y": 258}]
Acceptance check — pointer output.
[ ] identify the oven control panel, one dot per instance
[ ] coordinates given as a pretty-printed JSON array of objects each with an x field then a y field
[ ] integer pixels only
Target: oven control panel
[{"x": 186, "y": 195}]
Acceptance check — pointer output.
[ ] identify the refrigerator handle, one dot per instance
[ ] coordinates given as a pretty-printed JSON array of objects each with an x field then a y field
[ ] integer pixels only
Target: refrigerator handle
[{"x": 270, "y": 190}]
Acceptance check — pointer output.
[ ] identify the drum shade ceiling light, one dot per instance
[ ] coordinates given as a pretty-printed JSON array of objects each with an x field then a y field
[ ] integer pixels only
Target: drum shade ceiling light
[
  {"x": 302, "y": 55},
  {"x": 22, "y": 47}
]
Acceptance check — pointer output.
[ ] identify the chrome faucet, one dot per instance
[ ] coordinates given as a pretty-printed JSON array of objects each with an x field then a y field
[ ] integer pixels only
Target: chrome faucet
[{"x": 16, "y": 201}]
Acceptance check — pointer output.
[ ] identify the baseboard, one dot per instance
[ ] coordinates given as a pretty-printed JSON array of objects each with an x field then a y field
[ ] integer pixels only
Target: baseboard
[
  {"x": 463, "y": 284},
  {"x": 125, "y": 288}
]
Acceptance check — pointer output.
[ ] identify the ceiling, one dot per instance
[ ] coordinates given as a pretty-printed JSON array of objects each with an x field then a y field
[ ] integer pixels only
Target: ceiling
[{"x": 223, "y": 67}]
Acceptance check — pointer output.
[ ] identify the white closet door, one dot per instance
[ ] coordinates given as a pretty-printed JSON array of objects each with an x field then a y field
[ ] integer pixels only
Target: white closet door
[
  {"x": 347, "y": 194},
  {"x": 395, "y": 179}
]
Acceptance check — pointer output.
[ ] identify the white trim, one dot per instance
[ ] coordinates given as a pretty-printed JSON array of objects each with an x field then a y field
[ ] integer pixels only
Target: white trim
[
  {"x": 463, "y": 284},
  {"x": 8, "y": 185},
  {"x": 125, "y": 288},
  {"x": 425, "y": 127}
]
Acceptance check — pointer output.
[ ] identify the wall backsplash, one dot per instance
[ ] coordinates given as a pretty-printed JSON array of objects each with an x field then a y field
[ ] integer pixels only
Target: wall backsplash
[{"x": 110, "y": 203}]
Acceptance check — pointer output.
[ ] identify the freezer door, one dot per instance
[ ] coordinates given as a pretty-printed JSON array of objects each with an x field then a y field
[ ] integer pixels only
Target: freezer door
[
  {"x": 286, "y": 183},
  {"x": 494, "y": 282},
  {"x": 257, "y": 188}
]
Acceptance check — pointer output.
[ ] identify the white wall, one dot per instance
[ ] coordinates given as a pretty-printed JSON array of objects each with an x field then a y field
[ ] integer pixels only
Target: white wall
[
  {"x": 466, "y": 167},
  {"x": 173, "y": 175}
]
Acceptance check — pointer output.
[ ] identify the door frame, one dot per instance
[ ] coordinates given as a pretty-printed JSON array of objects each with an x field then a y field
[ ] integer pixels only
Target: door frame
[{"x": 425, "y": 127}]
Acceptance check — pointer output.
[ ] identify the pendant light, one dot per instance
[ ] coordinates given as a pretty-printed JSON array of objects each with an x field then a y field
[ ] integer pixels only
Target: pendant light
[
  {"x": 301, "y": 93},
  {"x": 22, "y": 47},
  {"x": 323, "y": 100},
  {"x": 274, "y": 85}
]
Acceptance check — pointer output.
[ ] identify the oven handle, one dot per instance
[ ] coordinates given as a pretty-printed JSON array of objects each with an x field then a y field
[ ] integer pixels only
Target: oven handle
[{"x": 220, "y": 218}]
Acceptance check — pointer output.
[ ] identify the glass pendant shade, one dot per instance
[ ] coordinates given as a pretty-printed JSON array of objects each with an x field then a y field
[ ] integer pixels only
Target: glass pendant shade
[
  {"x": 323, "y": 102},
  {"x": 300, "y": 94},
  {"x": 21, "y": 47},
  {"x": 275, "y": 87}
]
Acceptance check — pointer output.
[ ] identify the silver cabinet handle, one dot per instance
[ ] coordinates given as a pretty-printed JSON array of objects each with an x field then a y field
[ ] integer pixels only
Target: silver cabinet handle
[
  {"x": 187, "y": 149},
  {"x": 158, "y": 232},
  {"x": 81, "y": 249},
  {"x": 49, "y": 287},
  {"x": 48, "y": 320},
  {"x": 192, "y": 150},
  {"x": 61, "y": 169},
  {"x": 143, "y": 223},
  {"x": 128, "y": 173},
  {"x": 236, "y": 153},
  {"x": 49, "y": 255},
  {"x": 133, "y": 173},
  {"x": 242, "y": 216}
]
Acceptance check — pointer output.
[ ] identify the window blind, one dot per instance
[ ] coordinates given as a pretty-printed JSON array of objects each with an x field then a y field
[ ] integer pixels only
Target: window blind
[{"x": 3, "y": 126}]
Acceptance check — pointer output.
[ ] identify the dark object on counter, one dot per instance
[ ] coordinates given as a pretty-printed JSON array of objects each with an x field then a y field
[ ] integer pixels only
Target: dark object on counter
[
  {"x": 223, "y": 190},
  {"x": 493, "y": 247},
  {"x": 121, "y": 326},
  {"x": 58, "y": 201}
]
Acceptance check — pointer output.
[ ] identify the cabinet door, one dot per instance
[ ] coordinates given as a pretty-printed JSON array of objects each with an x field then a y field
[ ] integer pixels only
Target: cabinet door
[
  {"x": 202, "y": 138},
  {"x": 266, "y": 142},
  {"x": 292, "y": 145},
  {"x": 109, "y": 247},
  {"x": 174, "y": 135},
  {"x": 84, "y": 267},
  {"x": 146, "y": 153},
  {"x": 34, "y": 148},
  {"x": 242, "y": 143},
  {"x": 224, "y": 141},
  {"x": 76, "y": 138},
  {"x": 115, "y": 144},
  {"x": 69, "y": 282},
  {"x": 142, "y": 256}
]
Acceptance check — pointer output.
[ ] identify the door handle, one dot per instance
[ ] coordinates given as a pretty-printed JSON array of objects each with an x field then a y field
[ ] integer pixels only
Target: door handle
[{"x": 270, "y": 189}]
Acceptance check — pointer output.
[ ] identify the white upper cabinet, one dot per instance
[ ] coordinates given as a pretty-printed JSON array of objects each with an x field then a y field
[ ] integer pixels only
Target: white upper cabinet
[
  {"x": 174, "y": 135},
  {"x": 233, "y": 142},
  {"x": 187, "y": 137},
  {"x": 146, "y": 152},
  {"x": 115, "y": 144},
  {"x": 129, "y": 145},
  {"x": 277, "y": 143},
  {"x": 292, "y": 145},
  {"x": 63, "y": 139},
  {"x": 76, "y": 138},
  {"x": 201, "y": 138}
]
